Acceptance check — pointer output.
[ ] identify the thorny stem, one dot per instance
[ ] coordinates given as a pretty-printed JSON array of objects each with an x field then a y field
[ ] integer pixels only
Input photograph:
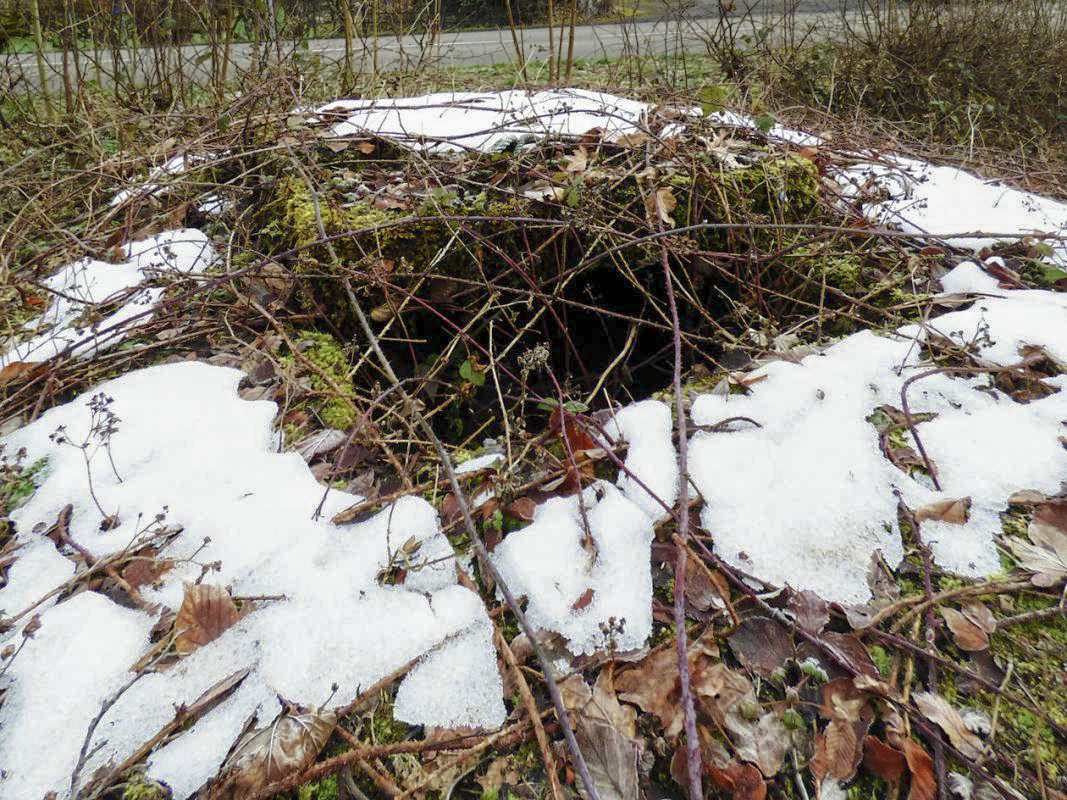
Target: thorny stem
[{"x": 692, "y": 740}]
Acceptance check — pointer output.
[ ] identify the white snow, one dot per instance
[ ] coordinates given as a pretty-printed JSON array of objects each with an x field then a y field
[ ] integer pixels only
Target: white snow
[
  {"x": 186, "y": 441},
  {"x": 85, "y": 286},
  {"x": 926, "y": 198},
  {"x": 546, "y": 561},
  {"x": 55, "y": 688},
  {"x": 808, "y": 497},
  {"x": 479, "y": 463},
  {"x": 969, "y": 278},
  {"x": 650, "y": 458},
  {"x": 487, "y": 120}
]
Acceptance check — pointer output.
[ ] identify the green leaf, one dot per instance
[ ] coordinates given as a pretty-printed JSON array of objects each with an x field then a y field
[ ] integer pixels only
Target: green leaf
[{"x": 466, "y": 370}]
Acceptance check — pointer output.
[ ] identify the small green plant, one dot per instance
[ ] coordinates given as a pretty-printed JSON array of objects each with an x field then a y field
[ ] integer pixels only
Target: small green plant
[{"x": 472, "y": 376}]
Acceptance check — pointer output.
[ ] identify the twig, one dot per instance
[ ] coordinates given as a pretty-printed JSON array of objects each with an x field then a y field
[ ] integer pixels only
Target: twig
[
  {"x": 692, "y": 739},
  {"x": 532, "y": 711}
]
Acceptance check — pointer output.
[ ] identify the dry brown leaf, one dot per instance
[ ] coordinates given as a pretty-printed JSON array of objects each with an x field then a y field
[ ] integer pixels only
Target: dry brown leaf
[
  {"x": 604, "y": 705},
  {"x": 923, "y": 782},
  {"x": 811, "y": 611},
  {"x": 743, "y": 781},
  {"x": 577, "y": 162},
  {"x": 206, "y": 612},
  {"x": 728, "y": 697},
  {"x": 652, "y": 686},
  {"x": 285, "y": 747},
  {"x": 1047, "y": 556},
  {"x": 852, "y": 651},
  {"x": 842, "y": 749},
  {"x": 938, "y": 710},
  {"x": 584, "y": 599},
  {"x": 954, "y": 512},
  {"x": 884, "y": 761},
  {"x": 611, "y": 758},
  {"x": 19, "y": 370},
  {"x": 144, "y": 571},
  {"x": 761, "y": 644},
  {"x": 666, "y": 202},
  {"x": 850, "y": 716},
  {"x": 701, "y": 590},
  {"x": 501, "y": 770},
  {"x": 981, "y": 616},
  {"x": 965, "y": 633}
]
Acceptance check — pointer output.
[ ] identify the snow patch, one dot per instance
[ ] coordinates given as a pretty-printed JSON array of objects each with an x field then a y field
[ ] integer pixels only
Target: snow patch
[
  {"x": 651, "y": 460},
  {"x": 807, "y": 498},
  {"x": 449, "y": 121},
  {"x": 925, "y": 198},
  {"x": 185, "y": 441},
  {"x": 597, "y": 597},
  {"x": 86, "y": 286}
]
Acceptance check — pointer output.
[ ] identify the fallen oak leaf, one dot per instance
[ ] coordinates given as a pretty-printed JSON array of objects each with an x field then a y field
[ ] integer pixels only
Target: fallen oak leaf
[{"x": 206, "y": 612}]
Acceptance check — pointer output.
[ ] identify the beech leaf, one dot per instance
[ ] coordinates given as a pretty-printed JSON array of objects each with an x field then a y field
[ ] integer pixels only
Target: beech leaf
[
  {"x": 206, "y": 612},
  {"x": 923, "y": 782},
  {"x": 954, "y": 512},
  {"x": 965, "y": 633},
  {"x": 611, "y": 758},
  {"x": 938, "y": 710},
  {"x": 285, "y": 747},
  {"x": 886, "y": 762}
]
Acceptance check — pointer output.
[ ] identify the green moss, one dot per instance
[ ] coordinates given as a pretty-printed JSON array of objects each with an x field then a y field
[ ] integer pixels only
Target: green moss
[
  {"x": 322, "y": 789},
  {"x": 881, "y": 658},
  {"x": 326, "y": 353},
  {"x": 139, "y": 789}
]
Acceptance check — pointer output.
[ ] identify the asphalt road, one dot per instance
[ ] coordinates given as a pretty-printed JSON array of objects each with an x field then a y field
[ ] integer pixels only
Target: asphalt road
[{"x": 670, "y": 34}]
